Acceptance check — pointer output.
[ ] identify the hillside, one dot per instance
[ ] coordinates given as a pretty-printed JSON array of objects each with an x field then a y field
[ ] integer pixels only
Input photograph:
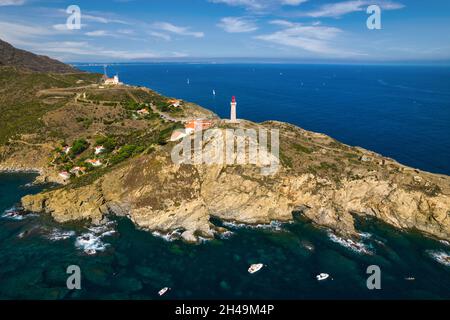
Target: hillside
[
  {"x": 42, "y": 113},
  {"x": 10, "y": 56},
  {"x": 21, "y": 109}
]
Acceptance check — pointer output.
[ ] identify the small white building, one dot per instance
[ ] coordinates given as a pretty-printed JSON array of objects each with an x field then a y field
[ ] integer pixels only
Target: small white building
[
  {"x": 175, "y": 103},
  {"x": 99, "y": 149},
  {"x": 65, "y": 175},
  {"x": 94, "y": 162},
  {"x": 143, "y": 112},
  {"x": 112, "y": 81}
]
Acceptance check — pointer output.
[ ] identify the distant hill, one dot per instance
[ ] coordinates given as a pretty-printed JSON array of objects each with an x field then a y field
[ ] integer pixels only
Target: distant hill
[{"x": 11, "y": 56}]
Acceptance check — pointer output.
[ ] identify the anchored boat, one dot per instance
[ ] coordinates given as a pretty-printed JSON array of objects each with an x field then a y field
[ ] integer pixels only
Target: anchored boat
[
  {"x": 322, "y": 276},
  {"x": 255, "y": 268},
  {"x": 163, "y": 291}
]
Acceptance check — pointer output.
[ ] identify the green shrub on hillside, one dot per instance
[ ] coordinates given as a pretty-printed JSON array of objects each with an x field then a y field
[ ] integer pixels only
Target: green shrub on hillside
[
  {"x": 126, "y": 152},
  {"x": 78, "y": 147},
  {"x": 109, "y": 143}
]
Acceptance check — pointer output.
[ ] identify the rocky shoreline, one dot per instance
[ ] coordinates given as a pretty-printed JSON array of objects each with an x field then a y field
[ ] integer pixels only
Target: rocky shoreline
[
  {"x": 43, "y": 175},
  {"x": 160, "y": 196}
]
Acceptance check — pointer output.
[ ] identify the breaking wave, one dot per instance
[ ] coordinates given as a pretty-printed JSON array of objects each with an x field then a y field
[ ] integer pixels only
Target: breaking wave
[
  {"x": 92, "y": 242},
  {"x": 168, "y": 236},
  {"x": 440, "y": 256},
  {"x": 57, "y": 235},
  {"x": 16, "y": 214},
  {"x": 225, "y": 235},
  {"x": 444, "y": 242},
  {"x": 355, "y": 246},
  {"x": 104, "y": 230},
  {"x": 273, "y": 225}
]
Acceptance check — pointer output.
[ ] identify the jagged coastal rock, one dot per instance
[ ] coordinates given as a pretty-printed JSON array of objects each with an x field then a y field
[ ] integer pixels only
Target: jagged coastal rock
[{"x": 157, "y": 194}]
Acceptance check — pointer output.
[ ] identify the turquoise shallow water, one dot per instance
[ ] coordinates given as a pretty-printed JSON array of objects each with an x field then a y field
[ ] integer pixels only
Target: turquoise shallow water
[{"x": 136, "y": 264}]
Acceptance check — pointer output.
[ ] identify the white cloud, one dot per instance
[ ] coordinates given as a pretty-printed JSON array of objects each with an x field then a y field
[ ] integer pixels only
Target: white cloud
[
  {"x": 101, "y": 19},
  {"x": 126, "y": 32},
  {"x": 19, "y": 34},
  {"x": 282, "y": 23},
  {"x": 312, "y": 38},
  {"x": 32, "y": 37},
  {"x": 160, "y": 35},
  {"x": 96, "y": 17},
  {"x": 4, "y": 3},
  {"x": 259, "y": 4},
  {"x": 252, "y": 4},
  {"x": 121, "y": 34},
  {"x": 292, "y": 2},
  {"x": 60, "y": 27},
  {"x": 237, "y": 25},
  {"x": 184, "y": 31},
  {"x": 97, "y": 33},
  {"x": 345, "y": 7},
  {"x": 74, "y": 49}
]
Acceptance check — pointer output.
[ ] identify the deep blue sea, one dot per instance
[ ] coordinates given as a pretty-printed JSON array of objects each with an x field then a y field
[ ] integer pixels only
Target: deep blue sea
[{"x": 402, "y": 112}]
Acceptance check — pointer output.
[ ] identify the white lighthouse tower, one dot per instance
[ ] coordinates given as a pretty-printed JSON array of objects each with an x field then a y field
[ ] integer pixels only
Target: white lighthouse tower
[{"x": 233, "y": 110}]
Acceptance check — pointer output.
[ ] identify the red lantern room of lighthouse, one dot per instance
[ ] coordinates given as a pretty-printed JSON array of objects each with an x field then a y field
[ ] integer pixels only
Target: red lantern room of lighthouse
[{"x": 233, "y": 117}]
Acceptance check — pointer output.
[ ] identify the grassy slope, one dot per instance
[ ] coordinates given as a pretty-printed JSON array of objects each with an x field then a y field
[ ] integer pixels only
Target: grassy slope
[
  {"x": 20, "y": 109},
  {"x": 28, "y": 107}
]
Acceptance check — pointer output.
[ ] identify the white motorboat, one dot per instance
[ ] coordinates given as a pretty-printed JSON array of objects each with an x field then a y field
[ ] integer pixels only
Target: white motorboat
[
  {"x": 255, "y": 268},
  {"x": 322, "y": 276},
  {"x": 163, "y": 291}
]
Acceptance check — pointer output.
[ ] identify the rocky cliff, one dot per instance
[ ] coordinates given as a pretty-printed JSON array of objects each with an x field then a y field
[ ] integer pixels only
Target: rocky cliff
[{"x": 326, "y": 181}]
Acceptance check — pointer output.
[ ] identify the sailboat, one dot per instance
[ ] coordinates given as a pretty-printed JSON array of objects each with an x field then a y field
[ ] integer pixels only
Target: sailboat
[
  {"x": 214, "y": 92},
  {"x": 188, "y": 81}
]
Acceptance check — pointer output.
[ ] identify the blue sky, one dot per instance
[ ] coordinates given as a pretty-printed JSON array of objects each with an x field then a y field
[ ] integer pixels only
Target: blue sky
[{"x": 304, "y": 30}]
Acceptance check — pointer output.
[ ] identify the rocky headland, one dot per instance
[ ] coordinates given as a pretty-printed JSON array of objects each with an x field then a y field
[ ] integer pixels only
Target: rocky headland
[
  {"x": 54, "y": 121},
  {"x": 327, "y": 182}
]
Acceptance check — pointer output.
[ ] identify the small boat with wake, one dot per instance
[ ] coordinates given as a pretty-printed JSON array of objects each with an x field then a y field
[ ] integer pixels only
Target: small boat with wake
[{"x": 255, "y": 268}]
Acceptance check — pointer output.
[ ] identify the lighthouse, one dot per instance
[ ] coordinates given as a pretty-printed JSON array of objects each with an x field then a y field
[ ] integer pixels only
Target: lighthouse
[{"x": 233, "y": 110}]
